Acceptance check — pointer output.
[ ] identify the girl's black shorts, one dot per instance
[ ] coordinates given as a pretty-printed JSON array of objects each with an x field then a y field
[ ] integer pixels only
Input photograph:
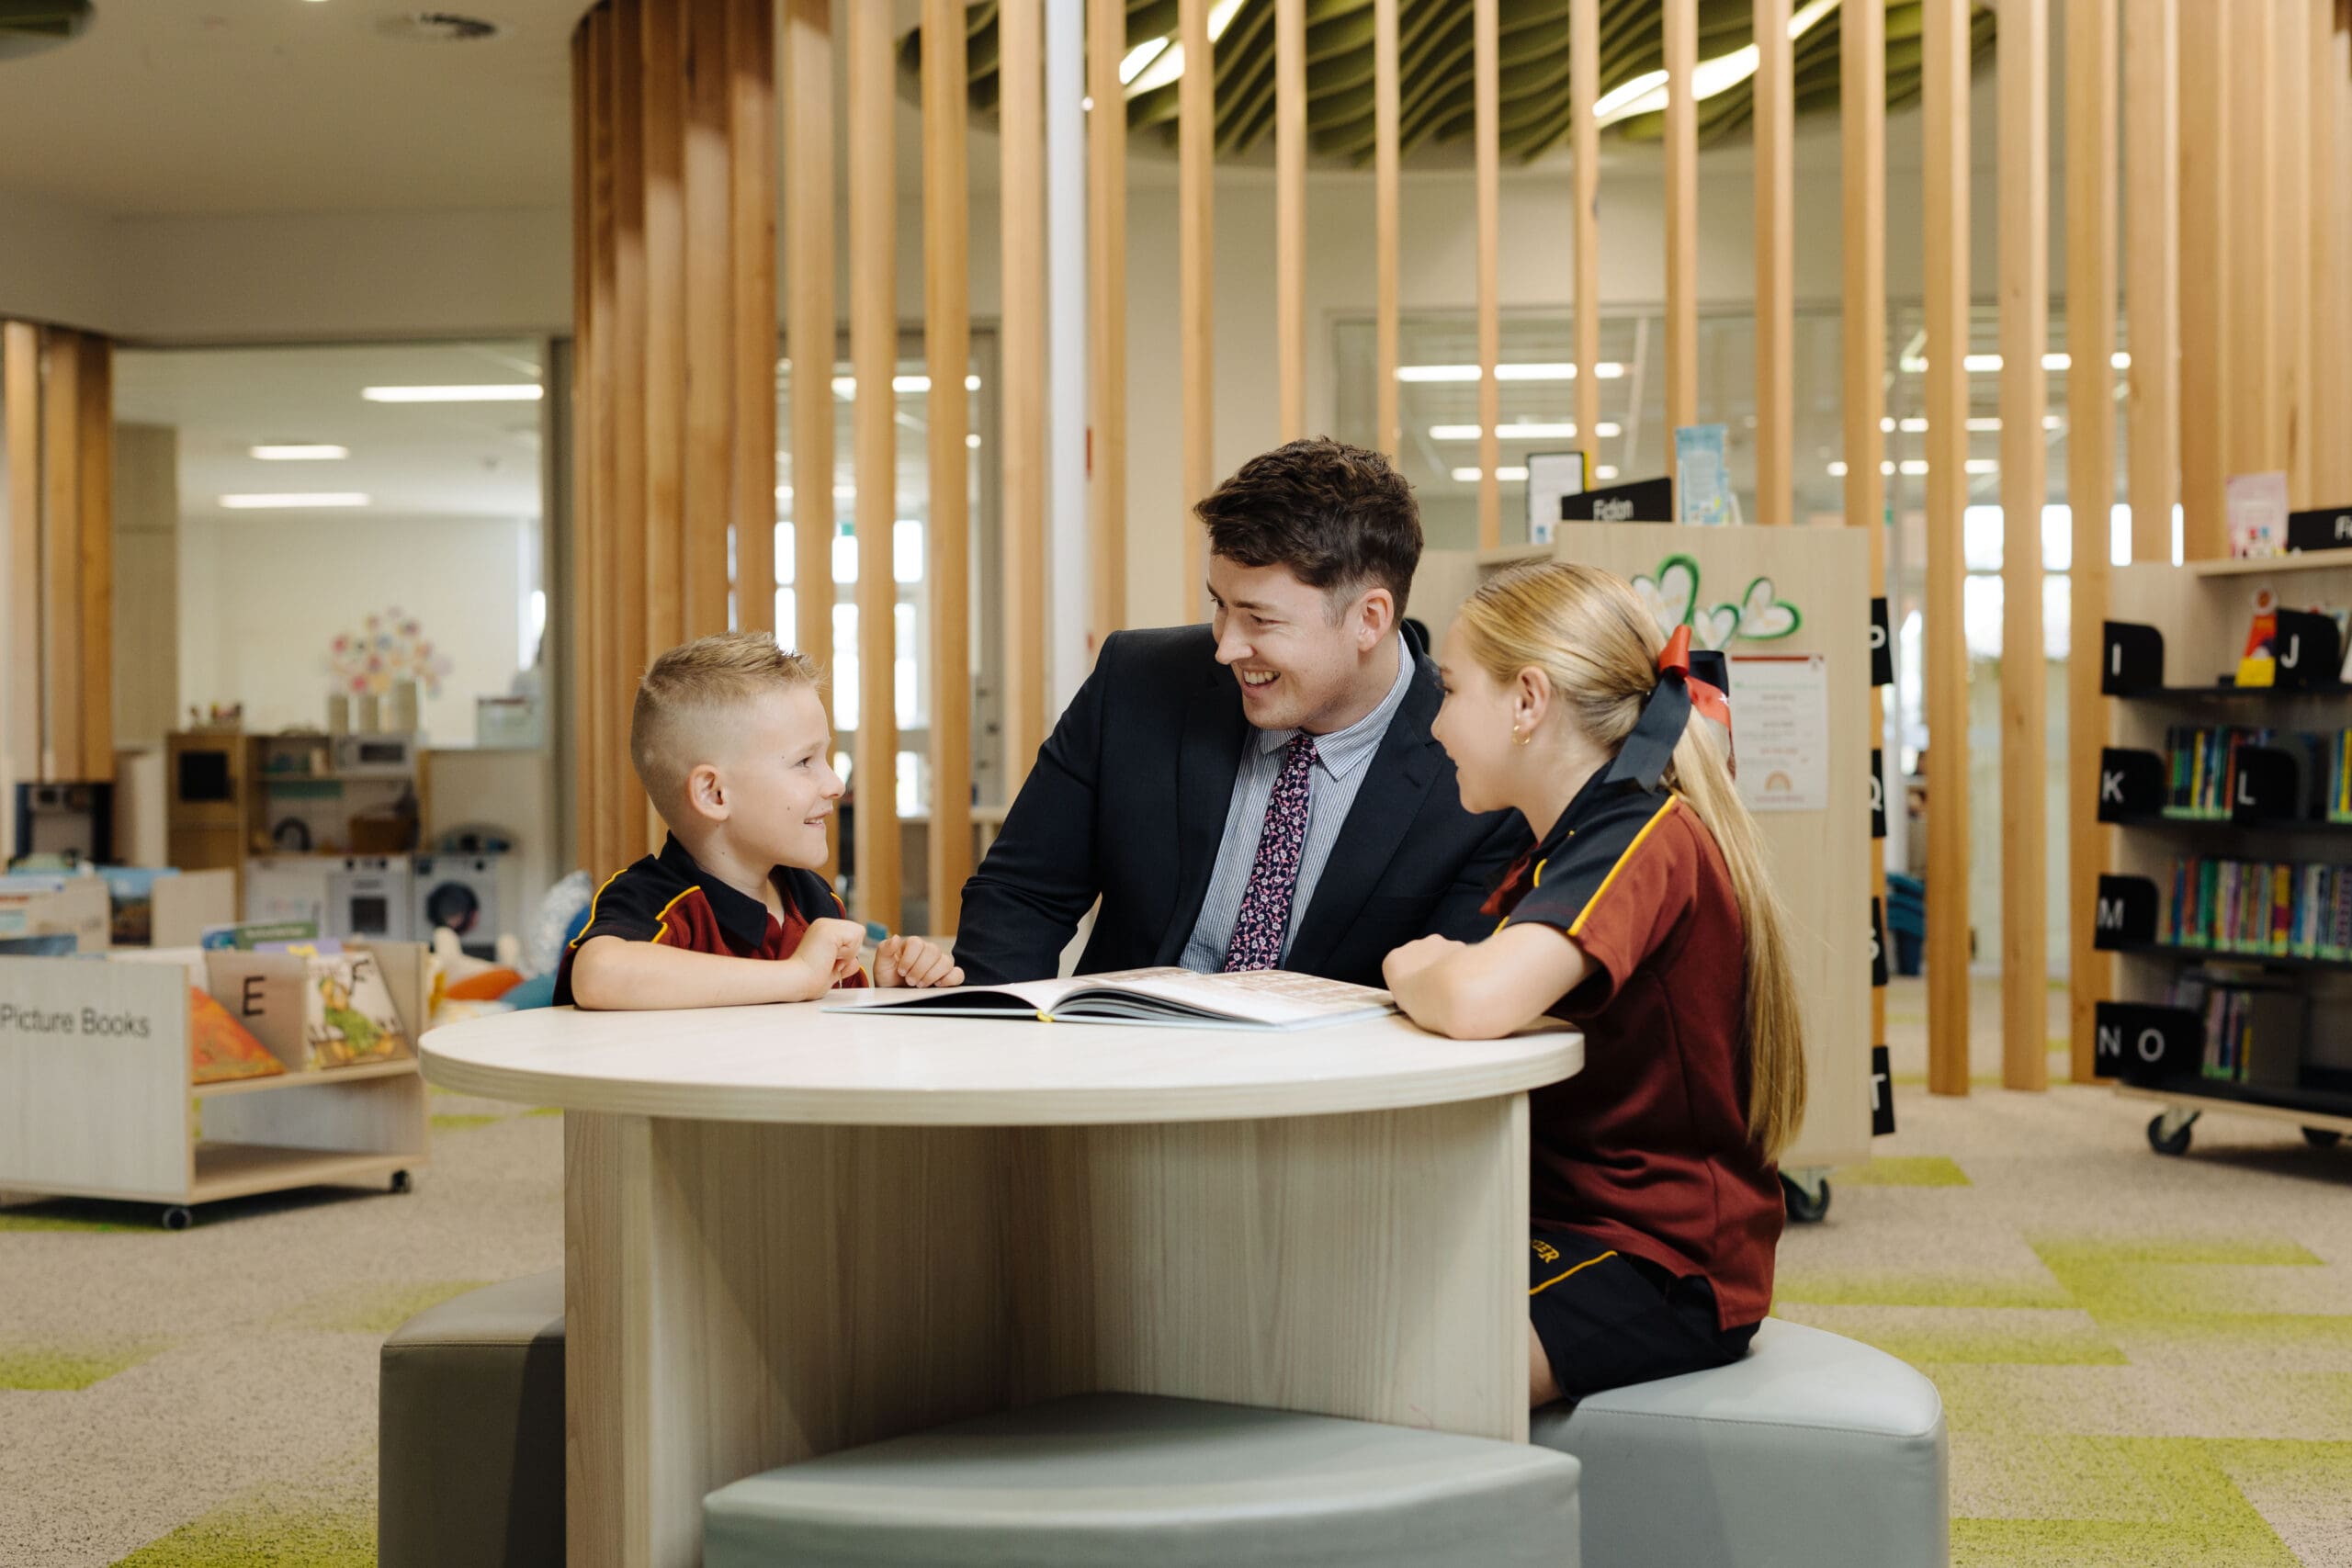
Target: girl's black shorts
[{"x": 1607, "y": 1318}]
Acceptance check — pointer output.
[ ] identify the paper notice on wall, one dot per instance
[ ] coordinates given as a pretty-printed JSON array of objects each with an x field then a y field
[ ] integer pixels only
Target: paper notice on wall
[{"x": 1780, "y": 723}]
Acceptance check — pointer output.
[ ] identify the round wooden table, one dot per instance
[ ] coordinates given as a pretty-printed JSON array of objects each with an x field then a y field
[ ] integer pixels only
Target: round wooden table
[{"x": 789, "y": 1231}]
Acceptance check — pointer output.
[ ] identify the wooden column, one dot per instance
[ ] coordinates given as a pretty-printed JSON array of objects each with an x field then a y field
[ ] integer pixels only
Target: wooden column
[
  {"x": 1681, "y": 25},
  {"x": 1020, "y": 151},
  {"x": 2292, "y": 257},
  {"x": 874, "y": 355},
  {"x": 1385, "y": 216},
  {"x": 1196, "y": 270},
  {"x": 674, "y": 382},
  {"x": 2209, "y": 255},
  {"x": 1290, "y": 215},
  {"x": 805, "y": 67},
  {"x": 21, "y": 698},
  {"x": 1584, "y": 92},
  {"x": 2254, "y": 430},
  {"x": 1944, "y": 61},
  {"x": 2152, "y": 172},
  {"x": 946, "y": 244},
  {"x": 58, "y": 602},
  {"x": 2321, "y": 254},
  {"x": 1775, "y": 264},
  {"x": 1861, "y": 125},
  {"x": 1106, "y": 295},
  {"x": 1486, "y": 93},
  {"x": 2024, "y": 155},
  {"x": 2090, "y": 486},
  {"x": 751, "y": 133}
]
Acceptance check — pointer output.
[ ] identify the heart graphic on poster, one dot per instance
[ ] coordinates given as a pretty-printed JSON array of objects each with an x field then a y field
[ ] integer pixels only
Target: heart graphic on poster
[
  {"x": 1763, "y": 618},
  {"x": 1713, "y": 628},
  {"x": 1671, "y": 594}
]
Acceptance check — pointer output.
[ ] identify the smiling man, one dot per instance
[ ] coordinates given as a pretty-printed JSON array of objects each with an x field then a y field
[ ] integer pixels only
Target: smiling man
[{"x": 1263, "y": 792}]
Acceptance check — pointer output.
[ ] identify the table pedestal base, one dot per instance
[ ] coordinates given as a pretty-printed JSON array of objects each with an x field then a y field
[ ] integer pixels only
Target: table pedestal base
[{"x": 739, "y": 1295}]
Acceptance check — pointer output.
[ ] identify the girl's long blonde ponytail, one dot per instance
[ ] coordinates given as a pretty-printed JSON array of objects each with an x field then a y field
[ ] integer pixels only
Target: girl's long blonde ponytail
[{"x": 1595, "y": 641}]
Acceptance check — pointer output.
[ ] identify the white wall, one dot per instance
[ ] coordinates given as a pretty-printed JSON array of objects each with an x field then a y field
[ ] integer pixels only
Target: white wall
[{"x": 260, "y": 600}]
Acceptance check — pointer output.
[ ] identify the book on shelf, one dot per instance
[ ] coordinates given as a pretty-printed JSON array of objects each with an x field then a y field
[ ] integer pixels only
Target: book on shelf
[
  {"x": 2253, "y": 1029},
  {"x": 2204, "y": 761},
  {"x": 1174, "y": 998},
  {"x": 2258, "y": 908}
]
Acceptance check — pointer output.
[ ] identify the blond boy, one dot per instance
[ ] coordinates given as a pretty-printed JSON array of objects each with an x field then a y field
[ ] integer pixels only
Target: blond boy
[{"x": 731, "y": 744}]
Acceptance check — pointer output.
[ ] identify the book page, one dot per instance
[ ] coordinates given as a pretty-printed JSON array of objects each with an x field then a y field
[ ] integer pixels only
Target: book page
[{"x": 1269, "y": 995}]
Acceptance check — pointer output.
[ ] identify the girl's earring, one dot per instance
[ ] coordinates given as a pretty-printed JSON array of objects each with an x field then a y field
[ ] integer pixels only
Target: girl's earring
[{"x": 1521, "y": 736}]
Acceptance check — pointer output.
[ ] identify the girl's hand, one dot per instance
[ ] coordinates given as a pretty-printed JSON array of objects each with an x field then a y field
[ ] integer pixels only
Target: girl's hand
[
  {"x": 1409, "y": 960},
  {"x": 911, "y": 961}
]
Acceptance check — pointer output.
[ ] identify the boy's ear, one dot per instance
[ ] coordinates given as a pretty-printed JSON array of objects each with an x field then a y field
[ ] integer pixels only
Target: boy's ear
[{"x": 707, "y": 794}]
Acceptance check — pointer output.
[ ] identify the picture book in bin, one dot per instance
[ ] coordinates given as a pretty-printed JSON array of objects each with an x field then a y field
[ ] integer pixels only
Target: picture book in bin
[{"x": 313, "y": 1009}]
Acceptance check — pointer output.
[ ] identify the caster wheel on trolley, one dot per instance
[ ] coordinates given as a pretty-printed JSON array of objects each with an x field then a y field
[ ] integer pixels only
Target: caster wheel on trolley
[
  {"x": 177, "y": 1217},
  {"x": 2174, "y": 1141},
  {"x": 402, "y": 1183},
  {"x": 2321, "y": 1137},
  {"x": 1808, "y": 1202}
]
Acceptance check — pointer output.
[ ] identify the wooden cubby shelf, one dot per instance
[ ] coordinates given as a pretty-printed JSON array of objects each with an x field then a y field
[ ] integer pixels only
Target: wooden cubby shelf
[{"x": 2285, "y": 1038}]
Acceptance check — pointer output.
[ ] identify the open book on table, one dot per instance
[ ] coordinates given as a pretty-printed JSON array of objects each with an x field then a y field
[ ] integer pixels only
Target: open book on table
[{"x": 1269, "y": 999}]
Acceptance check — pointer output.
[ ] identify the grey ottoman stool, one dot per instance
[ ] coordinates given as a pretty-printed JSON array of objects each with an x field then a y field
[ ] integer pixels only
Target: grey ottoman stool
[
  {"x": 470, "y": 1462},
  {"x": 1124, "y": 1480},
  {"x": 1813, "y": 1452}
]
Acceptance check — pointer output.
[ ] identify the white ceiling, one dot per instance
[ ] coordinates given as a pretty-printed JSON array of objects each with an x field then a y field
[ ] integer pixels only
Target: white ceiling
[
  {"x": 292, "y": 105},
  {"x": 412, "y": 459}
]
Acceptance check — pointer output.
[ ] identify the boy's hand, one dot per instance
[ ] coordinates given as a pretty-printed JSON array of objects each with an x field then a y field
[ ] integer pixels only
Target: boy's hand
[
  {"x": 911, "y": 961},
  {"x": 829, "y": 951},
  {"x": 1409, "y": 960}
]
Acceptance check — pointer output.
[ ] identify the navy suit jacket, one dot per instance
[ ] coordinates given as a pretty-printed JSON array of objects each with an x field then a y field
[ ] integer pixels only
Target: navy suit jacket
[{"x": 1128, "y": 799}]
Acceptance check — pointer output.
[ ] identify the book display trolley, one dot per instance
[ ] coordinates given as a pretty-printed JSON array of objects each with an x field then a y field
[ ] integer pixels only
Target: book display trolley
[{"x": 2228, "y": 890}]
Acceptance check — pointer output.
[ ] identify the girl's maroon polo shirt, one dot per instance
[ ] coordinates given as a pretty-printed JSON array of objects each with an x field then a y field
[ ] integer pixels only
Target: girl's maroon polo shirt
[{"x": 1648, "y": 1149}]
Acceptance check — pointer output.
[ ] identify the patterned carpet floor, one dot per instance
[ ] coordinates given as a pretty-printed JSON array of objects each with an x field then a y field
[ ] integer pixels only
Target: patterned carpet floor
[{"x": 2142, "y": 1359}]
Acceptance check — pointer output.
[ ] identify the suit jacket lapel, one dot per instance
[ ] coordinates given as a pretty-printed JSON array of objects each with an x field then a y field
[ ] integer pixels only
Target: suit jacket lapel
[
  {"x": 1214, "y": 732},
  {"x": 1402, "y": 771}
]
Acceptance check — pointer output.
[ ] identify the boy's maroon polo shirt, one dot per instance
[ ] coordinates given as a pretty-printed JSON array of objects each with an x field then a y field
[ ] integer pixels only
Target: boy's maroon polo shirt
[
  {"x": 1646, "y": 1148},
  {"x": 669, "y": 898}
]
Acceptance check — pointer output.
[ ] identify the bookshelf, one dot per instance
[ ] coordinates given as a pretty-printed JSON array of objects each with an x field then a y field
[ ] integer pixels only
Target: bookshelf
[{"x": 2226, "y": 897}]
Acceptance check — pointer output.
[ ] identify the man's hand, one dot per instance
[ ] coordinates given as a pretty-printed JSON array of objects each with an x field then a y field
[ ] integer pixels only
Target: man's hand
[
  {"x": 1409, "y": 960},
  {"x": 827, "y": 953},
  {"x": 911, "y": 961}
]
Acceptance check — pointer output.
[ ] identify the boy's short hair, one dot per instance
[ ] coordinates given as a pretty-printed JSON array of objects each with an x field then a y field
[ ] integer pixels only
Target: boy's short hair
[
  {"x": 1341, "y": 517},
  {"x": 689, "y": 686}
]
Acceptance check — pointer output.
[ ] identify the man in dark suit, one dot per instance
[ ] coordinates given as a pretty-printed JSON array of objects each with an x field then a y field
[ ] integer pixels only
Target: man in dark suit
[{"x": 1263, "y": 792}]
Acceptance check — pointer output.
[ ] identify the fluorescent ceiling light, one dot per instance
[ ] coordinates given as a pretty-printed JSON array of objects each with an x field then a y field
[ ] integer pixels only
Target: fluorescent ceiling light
[
  {"x": 1166, "y": 57},
  {"x": 1504, "y": 472},
  {"x": 501, "y": 392},
  {"x": 1646, "y": 93},
  {"x": 1983, "y": 465},
  {"x": 845, "y": 387},
  {"x": 1139, "y": 57},
  {"x": 1617, "y": 97},
  {"x": 1606, "y": 471},
  {"x": 973, "y": 441},
  {"x": 1526, "y": 430},
  {"x": 294, "y": 501},
  {"x": 1838, "y": 470},
  {"x": 313, "y": 453}
]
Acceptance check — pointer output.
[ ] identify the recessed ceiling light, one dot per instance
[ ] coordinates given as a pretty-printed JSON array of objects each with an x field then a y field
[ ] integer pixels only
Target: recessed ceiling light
[
  {"x": 294, "y": 501},
  {"x": 497, "y": 392},
  {"x": 312, "y": 453}
]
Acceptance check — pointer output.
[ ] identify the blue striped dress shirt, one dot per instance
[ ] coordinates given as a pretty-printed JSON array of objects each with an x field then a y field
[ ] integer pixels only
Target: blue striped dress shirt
[{"x": 1341, "y": 763}]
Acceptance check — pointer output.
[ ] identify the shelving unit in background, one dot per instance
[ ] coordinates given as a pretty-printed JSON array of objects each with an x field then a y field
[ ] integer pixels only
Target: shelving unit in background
[{"x": 2174, "y": 637}]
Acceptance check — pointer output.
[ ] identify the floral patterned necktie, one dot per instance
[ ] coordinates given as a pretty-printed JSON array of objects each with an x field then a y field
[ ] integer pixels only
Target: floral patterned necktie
[{"x": 1265, "y": 903}]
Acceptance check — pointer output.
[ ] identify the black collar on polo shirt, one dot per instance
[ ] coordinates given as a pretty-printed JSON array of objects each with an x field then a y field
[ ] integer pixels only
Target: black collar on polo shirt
[
  {"x": 1578, "y": 814},
  {"x": 744, "y": 918}
]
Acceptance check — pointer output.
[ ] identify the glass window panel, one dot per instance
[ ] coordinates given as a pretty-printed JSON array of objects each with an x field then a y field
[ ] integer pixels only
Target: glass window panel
[
  {"x": 785, "y": 562},
  {"x": 845, "y": 667},
  {"x": 911, "y": 767},
  {"x": 907, "y": 670},
  {"x": 845, "y": 556},
  {"x": 788, "y": 625},
  {"x": 1980, "y": 600},
  {"x": 907, "y": 550}
]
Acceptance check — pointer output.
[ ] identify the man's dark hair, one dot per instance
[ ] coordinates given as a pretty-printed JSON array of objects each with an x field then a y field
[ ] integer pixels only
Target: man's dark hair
[{"x": 1338, "y": 516}]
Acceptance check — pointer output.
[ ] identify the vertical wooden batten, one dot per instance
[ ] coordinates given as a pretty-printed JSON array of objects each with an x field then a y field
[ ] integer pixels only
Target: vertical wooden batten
[
  {"x": 751, "y": 137},
  {"x": 2024, "y": 288},
  {"x": 1385, "y": 159},
  {"x": 94, "y": 523},
  {"x": 61, "y": 554},
  {"x": 947, "y": 357},
  {"x": 1944, "y": 115},
  {"x": 1584, "y": 92},
  {"x": 2090, "y": 485},
  {"x": 2151, "y": 232},
  {"x": 2207, "y": 254},
  {"x": 2326, "y": 407},
  {"x": 1022, "y": 181},
  {"x": 20, "y": 401},
  {"x": 1775, "y": 264},
  {"x": 1486, "y": 91},
  {"x": 1196, "y": 269},
  {"x": 706, "y": 474},
  {"x": 2293, "y": 261},
  {"x": 624, "y": 421},
  {"x": 1106, "y": 295},
  {"x": 874, "y": 353},
  {"x": 1680, "y": 21},
  {"x": 666, "y": 281},
  {"x": 1290, "y": 215},
  {"x": 591, "y": 163},
  {"x": 805, "y": 65},
  {"x": 1862, "y": 134}
]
